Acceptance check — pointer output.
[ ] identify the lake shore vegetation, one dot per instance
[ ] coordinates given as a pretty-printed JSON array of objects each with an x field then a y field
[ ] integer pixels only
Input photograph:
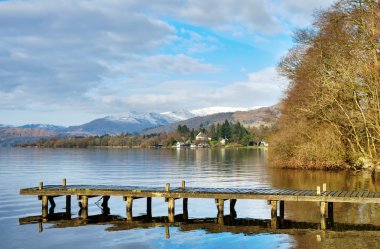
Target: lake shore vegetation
[{"x": 331, "y": 111}]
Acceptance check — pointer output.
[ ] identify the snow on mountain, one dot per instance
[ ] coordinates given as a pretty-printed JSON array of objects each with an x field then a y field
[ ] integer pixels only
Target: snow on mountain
[
  {"x": 139, "y": 117},
  {"x": 216, "y": 109},
  {"x": 179, "y": 115},
  {"x": 130, "y": 122}
]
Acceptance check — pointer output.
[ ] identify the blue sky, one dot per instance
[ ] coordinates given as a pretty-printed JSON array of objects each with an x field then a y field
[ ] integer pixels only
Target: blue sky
[{"x": 68, "y": 61}]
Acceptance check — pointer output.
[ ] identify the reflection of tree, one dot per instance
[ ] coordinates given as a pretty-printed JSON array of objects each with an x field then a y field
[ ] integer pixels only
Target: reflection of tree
[{"x": 336, "y": 180}]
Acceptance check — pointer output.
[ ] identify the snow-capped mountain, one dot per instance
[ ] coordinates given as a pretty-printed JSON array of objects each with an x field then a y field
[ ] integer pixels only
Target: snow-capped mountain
[{"x": 130, "y": 122}]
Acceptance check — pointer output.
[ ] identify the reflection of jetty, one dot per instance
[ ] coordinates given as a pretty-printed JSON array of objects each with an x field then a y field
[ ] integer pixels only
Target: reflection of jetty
[
  {"x": 230, "y": 224},
  {"x": 275, "y": 198}
]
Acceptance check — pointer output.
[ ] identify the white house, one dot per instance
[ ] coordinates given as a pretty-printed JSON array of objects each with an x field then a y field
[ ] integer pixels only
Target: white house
[
  {"x": 263, "y": 143},
  {"x": 201, "y": 137},
  {"x": 223, "y": 141}
]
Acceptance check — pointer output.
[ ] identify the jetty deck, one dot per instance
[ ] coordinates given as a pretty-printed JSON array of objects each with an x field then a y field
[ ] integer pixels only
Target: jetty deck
[{"x": 275, "y": 198}]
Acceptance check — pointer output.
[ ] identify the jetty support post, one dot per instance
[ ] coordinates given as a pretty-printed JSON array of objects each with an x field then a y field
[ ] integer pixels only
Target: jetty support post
[
  {"x": 149, "y": 207},
  {"x": 220, "y": 207},
  {"x": 105, "y": 201},
  {"x": 282, "y": 211},
  {"x": 185, "y": 203},
  {"x": 232, "y": 208},
  {"x": 68, "y": 198},
  {"x": 171, "y": 205},
  {"x": 330, "y": 213},
  {"x": 274, "y": 222},
  {"x": 44, "y": 201},
  {"x": 84, "y": 206},
  {"x": 40, "y": 227},
  {"x": 44, "y": 206},
  {"x": 323, "y": 207},
  {"x": 129, "y": 200},
  {"x": 167, "y": 232},
  {"x": 52, "y": 204}
]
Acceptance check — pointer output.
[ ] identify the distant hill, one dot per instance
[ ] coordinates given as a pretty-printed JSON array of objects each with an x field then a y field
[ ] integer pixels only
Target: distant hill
[
  {"x": 131, "y": 122},
  {"x": 12, "y": 136},
  {"x": 261, "y": 116},
  {"x": 47, "y": 127}
]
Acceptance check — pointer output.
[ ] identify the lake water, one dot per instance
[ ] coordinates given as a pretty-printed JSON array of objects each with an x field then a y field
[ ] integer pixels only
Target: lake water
[{"x": 356, "y": 225}]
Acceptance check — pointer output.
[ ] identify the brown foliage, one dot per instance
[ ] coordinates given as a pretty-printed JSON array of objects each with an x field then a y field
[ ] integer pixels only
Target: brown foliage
[{"x": 331, "y": 113}]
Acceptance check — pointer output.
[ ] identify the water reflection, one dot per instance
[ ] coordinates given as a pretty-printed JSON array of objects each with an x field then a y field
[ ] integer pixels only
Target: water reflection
[
  {"x": 230, "y": 223},
  {"x": 229, "y": 168}
]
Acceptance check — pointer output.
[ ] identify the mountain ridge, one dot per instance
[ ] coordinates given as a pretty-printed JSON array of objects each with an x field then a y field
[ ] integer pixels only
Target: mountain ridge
[
  {"x": 261, "y": 116},
  {"x": 135, "y": 123}
]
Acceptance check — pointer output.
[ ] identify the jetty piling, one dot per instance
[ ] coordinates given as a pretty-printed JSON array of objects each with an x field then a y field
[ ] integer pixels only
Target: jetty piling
[
  {"x": 276, "y": 199},
  {"x": 149, "y": 206},
  {"x": 184, "y": 203},
  {"x": 68, "y": 197}
]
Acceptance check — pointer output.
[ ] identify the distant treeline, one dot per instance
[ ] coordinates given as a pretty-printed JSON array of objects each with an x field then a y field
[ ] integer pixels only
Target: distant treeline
[{"x": 233, "y": 133}]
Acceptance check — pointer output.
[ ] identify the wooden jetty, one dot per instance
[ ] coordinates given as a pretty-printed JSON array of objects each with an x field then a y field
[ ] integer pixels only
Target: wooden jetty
[{"x": 275, "y": 198}]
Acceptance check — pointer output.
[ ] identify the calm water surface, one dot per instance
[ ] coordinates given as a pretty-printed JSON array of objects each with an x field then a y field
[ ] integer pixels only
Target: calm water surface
[{"x": 356, "y": 226}]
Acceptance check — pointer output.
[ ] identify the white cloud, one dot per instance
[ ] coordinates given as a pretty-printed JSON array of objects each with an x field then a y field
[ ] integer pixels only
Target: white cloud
[
  {"x": 53, "y": 50},
  {"x": 100, "y": 56},
  {"x": 165, "y": 64},
  {"x": 262, "y": 88},
  {"x": 298, "y": 13}
]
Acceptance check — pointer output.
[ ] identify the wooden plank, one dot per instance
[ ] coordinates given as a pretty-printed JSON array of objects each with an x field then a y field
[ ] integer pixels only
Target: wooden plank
[
  {"x": 287, "y": 192},
  {"x": 283, "y": 191},
  {"x": 365, "y": 195},
  {"x": 354, "y": 194},
  {"x": 303, "y": 193},
  {"x": 330, "y": 193},
  {"x": 360, "y": 194},
  {"x": 343, "y": 193},
  {"x": 214, "y": 193},
  {"x": 337, "y": 193}
]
